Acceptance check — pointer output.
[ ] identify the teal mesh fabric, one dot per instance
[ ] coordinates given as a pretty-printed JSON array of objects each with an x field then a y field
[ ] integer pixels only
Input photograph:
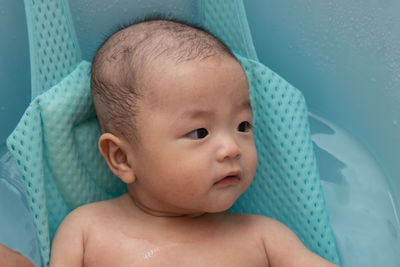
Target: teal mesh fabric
[
  {"x": 227, "y": 20},
  {"x": 55, "y": 143},
  {"x": 54, "y": 50}
]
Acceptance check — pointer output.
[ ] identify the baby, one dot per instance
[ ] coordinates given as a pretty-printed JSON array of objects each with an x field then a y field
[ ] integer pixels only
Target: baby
[{"x": 173, "y": 104}]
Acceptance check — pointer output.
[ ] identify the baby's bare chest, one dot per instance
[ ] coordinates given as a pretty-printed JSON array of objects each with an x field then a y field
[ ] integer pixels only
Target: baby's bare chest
[{"x": 119, "y": 249}]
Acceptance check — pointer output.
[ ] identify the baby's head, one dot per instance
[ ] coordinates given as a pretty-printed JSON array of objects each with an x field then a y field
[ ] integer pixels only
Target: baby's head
[
  {"x": 173, "y": 105},
  {"x": 128, "y": 58}
]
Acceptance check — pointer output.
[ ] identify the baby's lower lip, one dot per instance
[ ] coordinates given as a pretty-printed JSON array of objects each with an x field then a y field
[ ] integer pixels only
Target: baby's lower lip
[{"x": 228, "y": 180}]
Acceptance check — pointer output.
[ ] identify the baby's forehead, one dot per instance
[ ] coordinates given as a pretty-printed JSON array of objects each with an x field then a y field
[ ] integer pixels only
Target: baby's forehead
[
  {"x": 164, "y": 79},
  {"x": 164, "y": 68}
]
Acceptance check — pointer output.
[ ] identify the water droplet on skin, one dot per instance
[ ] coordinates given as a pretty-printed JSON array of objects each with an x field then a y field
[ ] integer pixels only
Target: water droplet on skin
[{"x": 149, "y": 254}]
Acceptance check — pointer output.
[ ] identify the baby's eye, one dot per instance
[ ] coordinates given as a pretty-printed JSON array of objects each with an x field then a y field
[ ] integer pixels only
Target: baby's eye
[
  {"x": 198, "y": 133},
  {"x": 244, "y": 126}
]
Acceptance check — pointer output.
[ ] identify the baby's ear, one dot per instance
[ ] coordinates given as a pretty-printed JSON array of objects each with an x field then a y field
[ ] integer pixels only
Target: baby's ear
[{"x": 116, "y": 153}]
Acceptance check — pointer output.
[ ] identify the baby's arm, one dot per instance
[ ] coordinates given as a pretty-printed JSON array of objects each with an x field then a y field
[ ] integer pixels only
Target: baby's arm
[
  {"x": 284, "y": 249},
  {"x": 67, "y": 248},
  {"x": 12, "y": 258}
]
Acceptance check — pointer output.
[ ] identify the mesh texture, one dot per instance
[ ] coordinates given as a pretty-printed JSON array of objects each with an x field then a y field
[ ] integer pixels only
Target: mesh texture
[
  {"x": 55, "y": 145},
  {"x": 54, "y": 50},
  {"x": 227, "y": 20}
]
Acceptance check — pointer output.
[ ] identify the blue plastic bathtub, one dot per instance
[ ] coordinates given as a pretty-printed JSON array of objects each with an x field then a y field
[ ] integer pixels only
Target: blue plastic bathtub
[{"x": 344, "y": 57}]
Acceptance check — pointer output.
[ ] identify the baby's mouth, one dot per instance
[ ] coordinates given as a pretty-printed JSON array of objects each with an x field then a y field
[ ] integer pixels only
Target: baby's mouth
[{"x": 230, "y": 179}]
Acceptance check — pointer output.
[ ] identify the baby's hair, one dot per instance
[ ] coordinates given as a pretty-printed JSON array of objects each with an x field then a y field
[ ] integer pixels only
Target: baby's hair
[{"x": 121, "y": 61}]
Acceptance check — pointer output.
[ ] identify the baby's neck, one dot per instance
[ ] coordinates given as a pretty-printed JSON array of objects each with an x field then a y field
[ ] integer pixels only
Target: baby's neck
[{"x": 155, "y": 213}]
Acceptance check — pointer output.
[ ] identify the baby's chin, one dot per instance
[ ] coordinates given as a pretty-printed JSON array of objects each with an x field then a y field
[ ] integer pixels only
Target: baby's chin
[
  {"x": 221, "y": 206},
  {"x": 224, "y": 201}
]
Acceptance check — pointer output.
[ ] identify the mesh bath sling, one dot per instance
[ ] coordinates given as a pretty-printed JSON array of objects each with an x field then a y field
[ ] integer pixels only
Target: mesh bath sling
[{"x": 55, "y": 142}]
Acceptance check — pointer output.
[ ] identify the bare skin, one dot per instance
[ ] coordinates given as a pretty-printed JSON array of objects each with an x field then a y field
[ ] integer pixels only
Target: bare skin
[
  {"x": 12, "y": 258},
  {"x": 195, "y": 158},
  {"x": 117, "y": 233}
]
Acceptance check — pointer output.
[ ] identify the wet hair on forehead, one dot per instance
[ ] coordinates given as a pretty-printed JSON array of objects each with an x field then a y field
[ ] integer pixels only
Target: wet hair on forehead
[{"x": 122, "y": 60}]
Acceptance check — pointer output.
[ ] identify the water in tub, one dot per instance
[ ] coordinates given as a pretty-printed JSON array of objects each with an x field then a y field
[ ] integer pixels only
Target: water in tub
[{"x": 360, "y": 203}]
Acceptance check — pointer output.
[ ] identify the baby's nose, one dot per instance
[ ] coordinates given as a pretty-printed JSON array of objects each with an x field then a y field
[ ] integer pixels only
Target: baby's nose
[{"x": 228, "y": 149}]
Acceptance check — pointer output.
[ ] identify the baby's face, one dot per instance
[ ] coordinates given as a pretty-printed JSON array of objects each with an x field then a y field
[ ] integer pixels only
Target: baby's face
[{"x": 196, "y": 150}]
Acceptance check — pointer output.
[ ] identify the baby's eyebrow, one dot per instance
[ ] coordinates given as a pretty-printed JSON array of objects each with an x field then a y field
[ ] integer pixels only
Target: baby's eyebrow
[
  {"x": 196, "y": 113},
  {"x": 245, "y": 104},
  {"x": 201, "y": 113}
]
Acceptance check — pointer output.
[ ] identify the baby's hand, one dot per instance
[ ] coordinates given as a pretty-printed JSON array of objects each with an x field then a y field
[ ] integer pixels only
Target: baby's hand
[{"x": 12, "y": 258}]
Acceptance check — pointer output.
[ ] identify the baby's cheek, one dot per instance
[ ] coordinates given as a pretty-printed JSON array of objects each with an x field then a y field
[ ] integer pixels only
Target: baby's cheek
[
  {"x": 192, "y": 182},
  {"x": 189, "y": 190},
  {"x": 251, "y": 164},
  {"x": 184, "y": 184},
  {"x": 255, "y": 159}
]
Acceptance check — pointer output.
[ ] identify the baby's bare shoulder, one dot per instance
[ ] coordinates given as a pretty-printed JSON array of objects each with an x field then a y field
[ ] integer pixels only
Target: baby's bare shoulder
[
  {"x": 69, "y": 241},
  {"x": 270, "y": 230},
  {"x": 280, "y": 241},
  {"x": 83, "y": 217},
  {"x": 90, "y": 211}
]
